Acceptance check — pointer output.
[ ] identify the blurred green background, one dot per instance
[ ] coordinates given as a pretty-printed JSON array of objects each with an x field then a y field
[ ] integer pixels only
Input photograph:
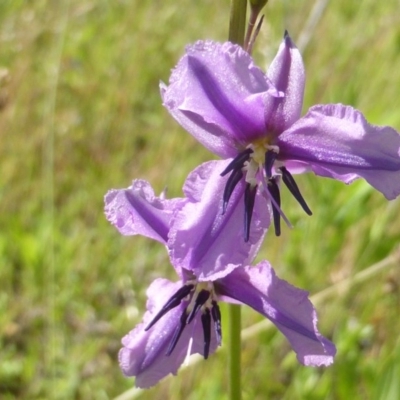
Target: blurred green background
[{"x": 80, "y": 113}]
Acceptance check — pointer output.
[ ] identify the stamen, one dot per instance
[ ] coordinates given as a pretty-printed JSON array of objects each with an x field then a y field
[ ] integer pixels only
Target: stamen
[
  {"x": 264, "y": 183},
  {"x": 177, "y": 333},
  {"x": 174, "y": 301},
  {"x": 270, "y": 157},
  {"x": 233, "y": 180},
  {"x": 206, "y": 322},
  {"x": 294, "y": 189},
  {"x": 273, "y": 189},
  {"x": 249, "y": 198},
  {"x": 201, "y": 298},
  {"x": 216, "y": 316},
  {"x": 238, "y": 161}
]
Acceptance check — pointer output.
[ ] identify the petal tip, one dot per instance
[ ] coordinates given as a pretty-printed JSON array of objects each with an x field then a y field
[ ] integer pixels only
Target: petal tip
[{"x": 318, "y": 360}]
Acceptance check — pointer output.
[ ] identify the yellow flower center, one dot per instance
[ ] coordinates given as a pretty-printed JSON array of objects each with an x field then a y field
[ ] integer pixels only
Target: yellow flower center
[
  {"x": 257, "y": 158},
  {"x": 199, "y": 286}
]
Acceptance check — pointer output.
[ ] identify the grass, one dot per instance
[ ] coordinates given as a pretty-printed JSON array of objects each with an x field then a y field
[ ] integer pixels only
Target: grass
[{"x": 80, "y": 113}]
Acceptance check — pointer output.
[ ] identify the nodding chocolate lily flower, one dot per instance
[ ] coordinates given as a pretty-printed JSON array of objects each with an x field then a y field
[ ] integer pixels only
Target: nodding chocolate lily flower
[
  {"x": 213, "y": 264},
  {"x": 221, "y": 98}
]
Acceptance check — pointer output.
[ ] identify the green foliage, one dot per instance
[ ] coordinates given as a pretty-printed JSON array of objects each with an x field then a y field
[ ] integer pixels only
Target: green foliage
[{"x": 80, "y": 113}]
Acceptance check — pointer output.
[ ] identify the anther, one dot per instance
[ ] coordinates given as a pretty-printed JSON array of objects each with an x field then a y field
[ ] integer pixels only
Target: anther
[
  {"x": 270, "y": 157},
  {"x": 238, "y": 161},
  {"x": 273, "y": 189},
  {"x": 216, "y": 316},
  {"x": 177, "y": 333},
  {"x": 206, "y": 323},
  {"x": 201, "y": 298},
  {"x": 233, "y": 180},
  {"x": 294, "y": 189},
  {"x": 174, "y": 301},
  {"x": 249, "y": 198}
]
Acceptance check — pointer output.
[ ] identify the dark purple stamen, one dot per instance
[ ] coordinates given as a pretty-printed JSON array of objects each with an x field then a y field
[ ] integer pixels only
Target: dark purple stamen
[
  {"x": 201, "y": 298},
  {"x": 273, "y": 189},
  {"x": 186, "y": 319},
  {"x": 235, "y": 166},
  {"x": 294, "y": 189},
  {"x": 206, "y": 322},
  {"x": 270, "y": 157},
  {"x": 249, "y": 198},
  {"x": 177, "y": 333},
  {"x": 216, "y": 316},
  {"x": 238, "y": 161},
  {"x": 174, "y": 301},
  {"x": 233, "y": 180}
]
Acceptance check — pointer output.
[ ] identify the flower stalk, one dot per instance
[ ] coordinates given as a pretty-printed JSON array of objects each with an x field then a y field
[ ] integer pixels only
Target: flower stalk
[
  {"x": 237, "y": 26},
  {"x": 237, "y": 22},
  {"x": 235, "y": 390}
]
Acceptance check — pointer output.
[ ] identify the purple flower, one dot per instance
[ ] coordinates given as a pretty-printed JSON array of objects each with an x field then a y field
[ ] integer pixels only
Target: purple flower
[
  {"x": 197, "y": 236},
  {"x": 212, "y": 262},
  {"x": 221, "y": 98}
]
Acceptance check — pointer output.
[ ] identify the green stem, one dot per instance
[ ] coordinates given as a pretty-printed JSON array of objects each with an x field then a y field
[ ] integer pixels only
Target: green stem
[
  {"x": 237, "y": 23},
  {"x": 237, "y": 26},
  {"x": 234, "y": 351}
]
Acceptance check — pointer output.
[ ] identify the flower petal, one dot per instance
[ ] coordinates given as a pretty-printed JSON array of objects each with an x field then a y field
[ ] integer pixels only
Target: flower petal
[
  {"x": 217, "y": 94},
  {"x": 288, "y": 76},
  {"x": 143, "y": 352},
  {"x": 207, "y": 242},
  {"x": 285, "y": 305},
  {"x": 337, "y": 142},
  {"x": 137, "y": 211}
]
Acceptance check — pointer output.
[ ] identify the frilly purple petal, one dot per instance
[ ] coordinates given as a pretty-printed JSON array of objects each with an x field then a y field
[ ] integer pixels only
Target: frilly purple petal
[
  {"x": 137, "y": 211},
  {"x": 205, "y": 241},
  {"x": 285, "y": 305},
  {"x": 143, "y": 352},
  {"x": 217, "y": 94},
  {"x": 288, "y": 76},
  {"x": 337, "y": 142}
]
